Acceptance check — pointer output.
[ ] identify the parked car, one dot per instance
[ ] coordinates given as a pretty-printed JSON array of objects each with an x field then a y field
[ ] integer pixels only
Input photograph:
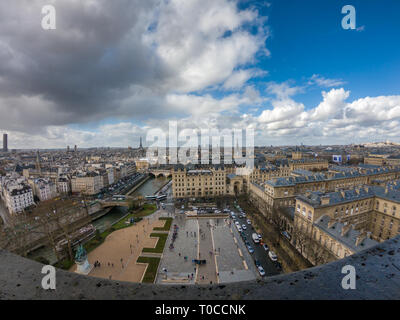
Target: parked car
[
  {"x": 259, "y": 236},
  {"x": 261, "y": 271},
  {"x": 244, "y": 227},
  {"x": 248, "y": 221},
  {"x": 265, "y": 247},
  {"x": 239, "y": 228},
  {"x": 272, "y": 256},
  {"x": 257, "y": 263},
  {"x": 250, "y": 248},
  {"x": 237, "y": 223}
]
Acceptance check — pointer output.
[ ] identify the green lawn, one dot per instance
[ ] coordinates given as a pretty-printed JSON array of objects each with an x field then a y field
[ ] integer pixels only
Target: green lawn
[
  {"x": 151, "y": 271},
  {"x": 65, "y": 264},
  {"x": 147, "y": 210},
  {"x": 162, "y": 238},
  {"x": 166, "y": 227}
]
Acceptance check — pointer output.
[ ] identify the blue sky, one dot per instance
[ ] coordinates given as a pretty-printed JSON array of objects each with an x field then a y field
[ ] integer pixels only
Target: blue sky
[
  {"x": 113, "y": 70},
  {"x": 307, "y": 38}
]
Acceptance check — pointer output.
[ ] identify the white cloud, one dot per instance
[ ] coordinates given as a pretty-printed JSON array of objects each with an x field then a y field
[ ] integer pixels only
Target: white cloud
[
  {"x": 325, "y": 83},
  {"x": 332, "y": 106},
  {"x": 240, "y": 77}
]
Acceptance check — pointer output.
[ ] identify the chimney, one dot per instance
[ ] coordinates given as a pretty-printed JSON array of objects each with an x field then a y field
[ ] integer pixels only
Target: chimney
[
  {"x": 331, "y": 223},
  {"x": 361, "y": 238},
  {"x": 325, "y": 200},
  {"x": 346, "y": 229}
]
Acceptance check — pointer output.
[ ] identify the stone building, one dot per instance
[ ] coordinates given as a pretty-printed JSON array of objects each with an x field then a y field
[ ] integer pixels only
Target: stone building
[
  {"x": 199, "y": 183},
  {"x": 281, "y": 192},
  {"x": 347, "y": 221},
  {"x": 90, "y": 183}
]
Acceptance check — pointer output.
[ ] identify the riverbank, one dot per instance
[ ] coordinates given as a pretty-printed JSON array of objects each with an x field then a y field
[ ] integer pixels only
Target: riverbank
[{"x": 138, "y": 185}]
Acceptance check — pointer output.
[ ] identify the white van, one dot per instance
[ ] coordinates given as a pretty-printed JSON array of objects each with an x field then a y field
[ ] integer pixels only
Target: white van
[{"x": 255, "y": 238}]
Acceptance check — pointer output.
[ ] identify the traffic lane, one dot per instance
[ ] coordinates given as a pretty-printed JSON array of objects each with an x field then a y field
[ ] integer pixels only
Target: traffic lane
[{"x": 259, "y": 253}]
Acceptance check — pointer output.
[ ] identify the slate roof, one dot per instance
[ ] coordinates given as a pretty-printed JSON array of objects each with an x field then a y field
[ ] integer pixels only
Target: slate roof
[{"x": 349, "y": 239}]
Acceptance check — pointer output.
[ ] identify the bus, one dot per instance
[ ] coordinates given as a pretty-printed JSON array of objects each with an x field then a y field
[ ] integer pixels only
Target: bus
[
  {"x": 151, "y": 197},
  {"x": 162, "y": 197}
]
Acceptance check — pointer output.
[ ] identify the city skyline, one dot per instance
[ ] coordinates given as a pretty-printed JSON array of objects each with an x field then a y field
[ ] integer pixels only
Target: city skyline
[{"x": 240, "y": 66}]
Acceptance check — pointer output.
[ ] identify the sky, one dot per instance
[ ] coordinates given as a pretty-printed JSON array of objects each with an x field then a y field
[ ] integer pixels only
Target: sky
[{"x": 113, "y": 70}]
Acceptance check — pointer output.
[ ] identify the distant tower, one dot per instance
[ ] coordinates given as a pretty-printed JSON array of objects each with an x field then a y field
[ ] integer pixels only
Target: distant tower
[
  {"x": 141, "y": 146},
  {"x": 37, "y": 166},
  {"x": 5, "y": 142},
  {"x": 67, "y": 148},
  {"x": 75, "y": 148}
]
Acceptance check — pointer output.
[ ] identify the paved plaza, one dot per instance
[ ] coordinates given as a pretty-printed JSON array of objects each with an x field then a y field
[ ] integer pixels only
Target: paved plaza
[
  {"x": 207, "y": 239},
  {"x": 178, "y": 268},
  {"x": 120, "y": 250}
]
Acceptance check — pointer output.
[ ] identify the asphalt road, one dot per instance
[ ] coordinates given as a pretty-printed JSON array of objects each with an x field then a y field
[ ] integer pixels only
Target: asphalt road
[{"x": 259, "y": 253}]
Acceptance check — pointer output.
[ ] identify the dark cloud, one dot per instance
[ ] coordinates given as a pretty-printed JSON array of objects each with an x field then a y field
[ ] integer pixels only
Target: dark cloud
[{"x": 81, "y": 71}]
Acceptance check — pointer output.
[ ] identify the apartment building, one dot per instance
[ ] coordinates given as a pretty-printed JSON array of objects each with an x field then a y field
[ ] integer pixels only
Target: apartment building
[
  {"x": 89, "y": 183},
  {"x": 348, "y": 221},
  {"x": 44, "y": 189},
  {"x": 63, "y": 185}
]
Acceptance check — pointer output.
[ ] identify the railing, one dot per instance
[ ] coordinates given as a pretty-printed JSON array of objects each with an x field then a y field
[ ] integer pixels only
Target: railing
[{"x": 377, "y": 277}]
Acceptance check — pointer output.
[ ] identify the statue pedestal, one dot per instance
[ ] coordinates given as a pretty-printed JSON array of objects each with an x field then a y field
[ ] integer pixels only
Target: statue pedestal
[{"x": 83, "y": 267}]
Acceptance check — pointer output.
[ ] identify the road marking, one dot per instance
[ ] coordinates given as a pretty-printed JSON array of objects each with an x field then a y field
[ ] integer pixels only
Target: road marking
[
  {"x": 240, "y": 252},
  {"x": 215, "y": 256},
  {"x": 245, "y": 265},
  {"x": 198, "y": 249}
]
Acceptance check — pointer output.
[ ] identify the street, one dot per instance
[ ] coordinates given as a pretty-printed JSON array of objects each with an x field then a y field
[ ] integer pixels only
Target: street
[{"x": 259, "y": 253}]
